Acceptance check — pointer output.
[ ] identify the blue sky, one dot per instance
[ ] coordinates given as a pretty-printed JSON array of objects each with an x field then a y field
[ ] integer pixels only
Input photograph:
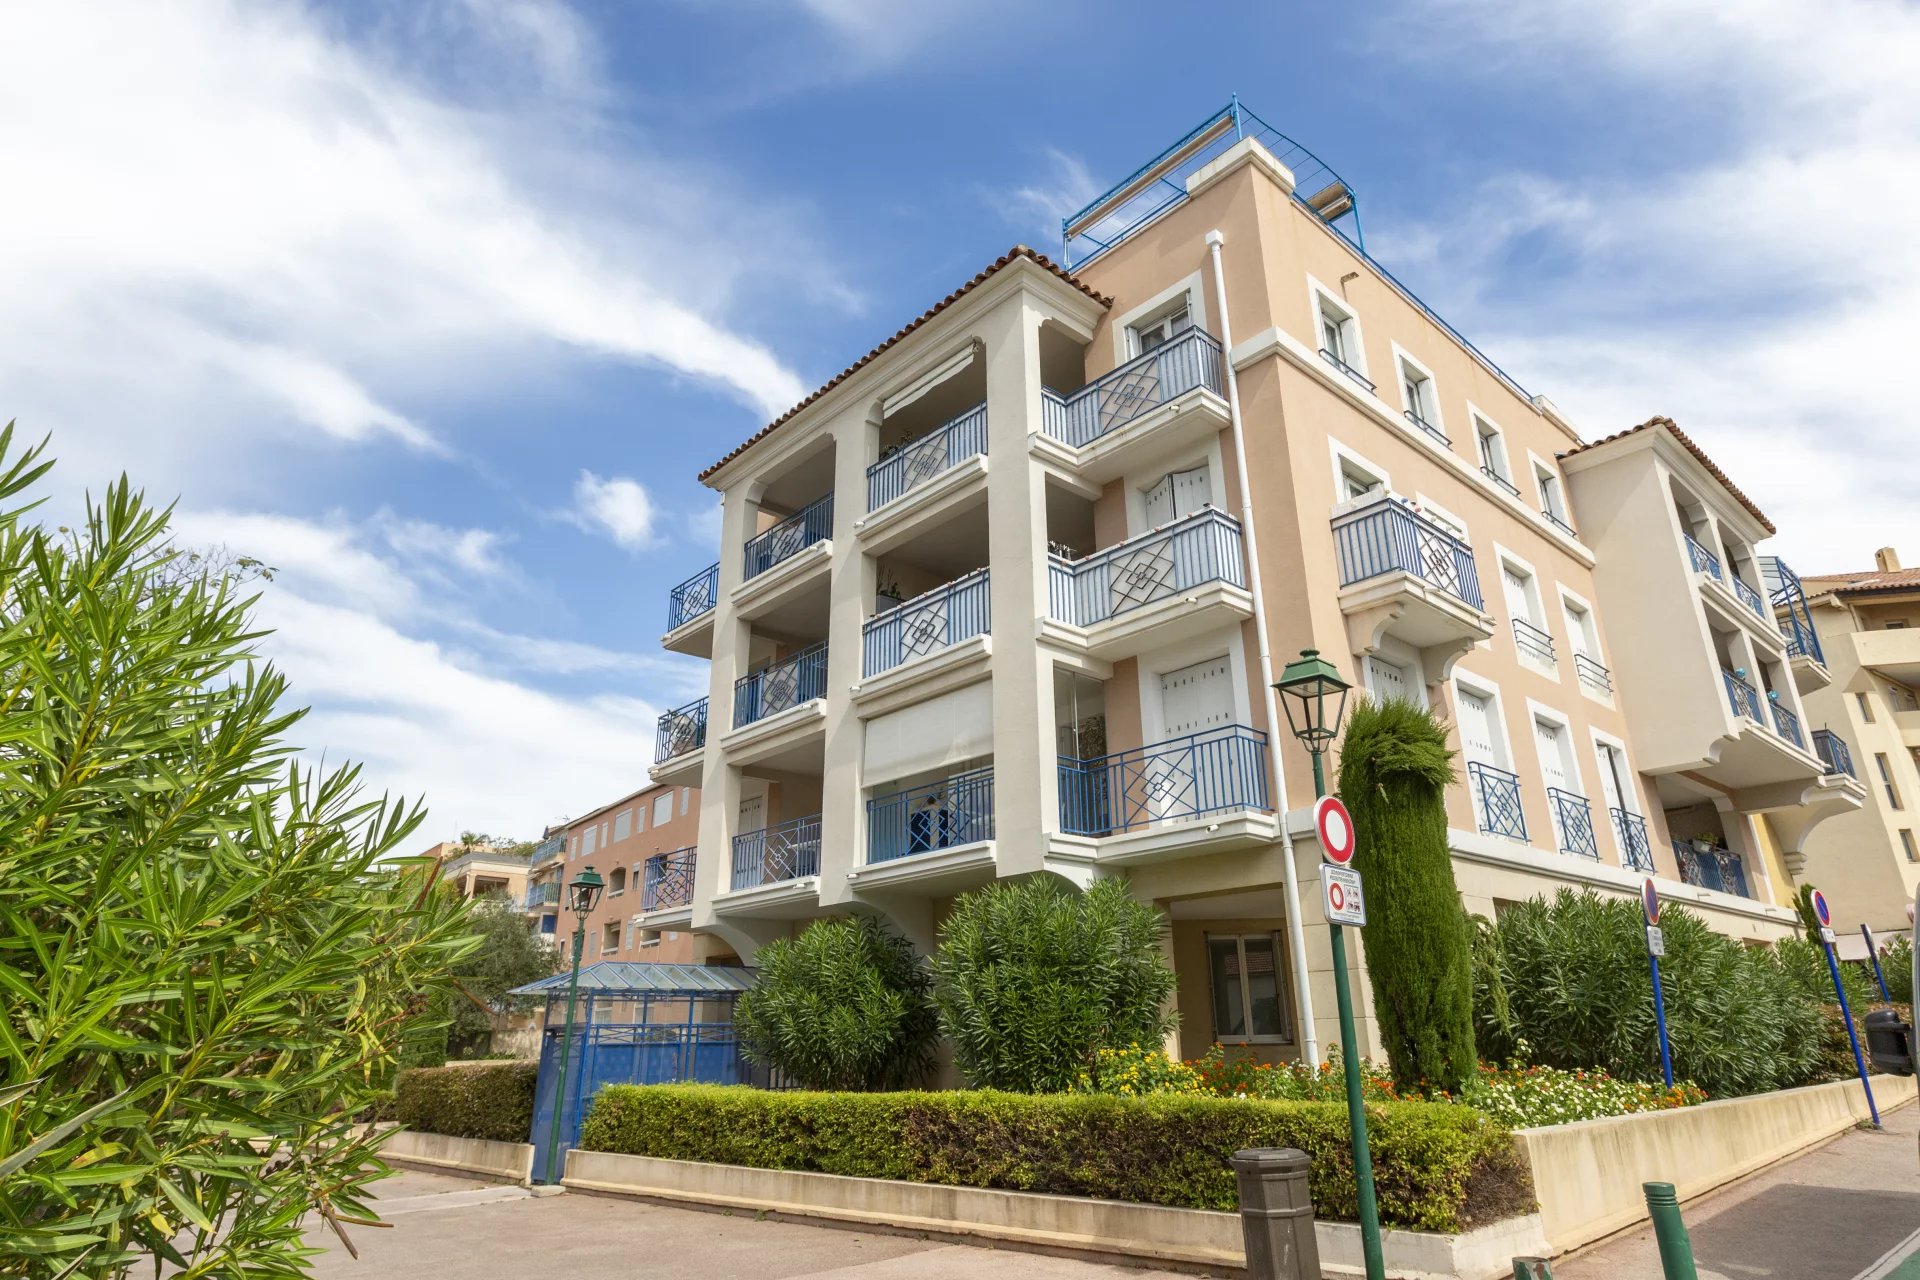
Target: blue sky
[{"x": 440, "y": 306}]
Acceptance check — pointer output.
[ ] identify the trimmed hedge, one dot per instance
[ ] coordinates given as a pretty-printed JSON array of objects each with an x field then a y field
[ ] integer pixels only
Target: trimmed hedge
[
  {"x": 1437, "y": 1167},
  {"x": 492, "y": 1100}
]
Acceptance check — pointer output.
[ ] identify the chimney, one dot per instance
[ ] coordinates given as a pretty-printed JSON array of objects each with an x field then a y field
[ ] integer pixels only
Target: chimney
[{"x": 1886, "y": 561}]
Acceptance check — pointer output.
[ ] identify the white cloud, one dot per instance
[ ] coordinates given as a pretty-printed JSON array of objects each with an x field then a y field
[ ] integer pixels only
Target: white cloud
[
  {"x": 1066, "y": 188},
  {"x": 476, "y": 552},
  {"x": 1758, "y": 291},
  {"x": 617, "y": 506}
]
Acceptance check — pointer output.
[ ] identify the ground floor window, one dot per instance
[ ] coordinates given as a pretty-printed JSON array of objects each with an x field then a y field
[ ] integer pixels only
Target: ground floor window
[{"x": 1248, "y": 1001}]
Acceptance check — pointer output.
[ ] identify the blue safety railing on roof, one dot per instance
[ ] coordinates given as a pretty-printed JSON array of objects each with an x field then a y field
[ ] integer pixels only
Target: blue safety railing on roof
[
  {"x": 1787, "y": 597},
  {"x": 1160, "y": 185}
]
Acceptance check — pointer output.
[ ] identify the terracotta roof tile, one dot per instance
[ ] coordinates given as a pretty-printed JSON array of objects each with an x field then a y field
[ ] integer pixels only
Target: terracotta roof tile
[
  {"x": 1863, "y": 581},
  {"x": 1686, "y": 442},
  {"x": 1018, "y": 251}
]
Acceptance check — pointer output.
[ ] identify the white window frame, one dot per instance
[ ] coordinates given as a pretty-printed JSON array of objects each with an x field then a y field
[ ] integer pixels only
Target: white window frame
[
  {"x": 587, "y": 845},
  {"x": 622, "y": 825},
  {"x": 1537, "y": 714},
  {"x": 1161, "y": 304},
  {"x": 686, "y": 795},
  {"x": 1490, "y": 690},
  {"x": 1536, "y": 609},
  {"x": 661, "y": 819},
  {"x": 1208, "y": 456},
  {"x": 1540, "y": 470},
  {"x": 1398, "y": 653},
  {"x": 1351, "y": 337},
  {"x": 1589, "y": 634},
  {"x": 1629, "y": 789},
  {"x": 1341, "y": 456},
  {"x": 1161, "y": 662},
  {"x": 1498, "y": 434},
  {"x": 1402, "y": 361}
]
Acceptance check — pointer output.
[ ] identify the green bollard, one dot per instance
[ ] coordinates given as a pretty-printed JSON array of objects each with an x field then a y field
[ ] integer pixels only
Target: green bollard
[
  {"x": 1676, "y": 1250},
  {"x": 1531, "y": 1269}
]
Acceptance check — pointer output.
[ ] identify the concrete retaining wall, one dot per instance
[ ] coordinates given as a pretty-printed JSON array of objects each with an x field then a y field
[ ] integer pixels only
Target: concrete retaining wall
[
  {"x": 1130, "y": 1231},
  {"x": 1588, "y": 1175},
  {"x": 510, "y": 1160}
]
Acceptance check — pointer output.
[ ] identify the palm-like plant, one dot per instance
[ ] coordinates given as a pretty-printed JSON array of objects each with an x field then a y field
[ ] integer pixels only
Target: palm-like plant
[{"x": 205, "y": 963}]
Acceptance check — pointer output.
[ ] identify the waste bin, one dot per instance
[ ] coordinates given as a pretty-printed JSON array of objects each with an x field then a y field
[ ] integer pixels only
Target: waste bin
[{"x": 1889, "y": 1042}]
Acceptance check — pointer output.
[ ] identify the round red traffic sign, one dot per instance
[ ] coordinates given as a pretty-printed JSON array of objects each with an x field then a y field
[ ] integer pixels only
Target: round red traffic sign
[
  {"x": 1337, "y": 895},
  {"x": 1335, "y": 826},
  {"x": 1820, "y": 912},
  {"x": 1650, "y": 900}
]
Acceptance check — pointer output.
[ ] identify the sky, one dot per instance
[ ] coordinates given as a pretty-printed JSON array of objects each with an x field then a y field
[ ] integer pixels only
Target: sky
[{"x": 439, "y": 306}]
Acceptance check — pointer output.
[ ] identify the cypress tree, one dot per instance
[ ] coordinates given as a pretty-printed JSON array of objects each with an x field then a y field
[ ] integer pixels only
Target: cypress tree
[{"x": 1394, "y": 770}]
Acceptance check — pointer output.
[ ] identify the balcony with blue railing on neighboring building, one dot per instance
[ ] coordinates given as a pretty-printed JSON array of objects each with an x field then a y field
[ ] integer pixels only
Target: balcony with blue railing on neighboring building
[
  {"x": 1833, "y": 749},
  {"x": 907, "y": 466},
  {"x": 1497, "y": 810},
  {"x": 1788, "y": 601},
  {"x": 947, "y": 814},
  {"x": 543, "y": 895},
  {"x": 1573, "y": 823},
  {"x": 548, "y": 849},
  {"x": 667, "y": 881},
  {"x": 811, "y": 524},
  {"x": 1636, "y": 847},
  {"x": 1712, "y": 868},
  {"x": 1214, "y": 772},
  {"x": 926, "y": 624},
  {"x": 785, "y": 851},
  {"x": 682, "y": 730},
  {"x": 781, "y": 686},
  {"x": 1090, "y": 419},
  {"x": 1196, "y": 559}
]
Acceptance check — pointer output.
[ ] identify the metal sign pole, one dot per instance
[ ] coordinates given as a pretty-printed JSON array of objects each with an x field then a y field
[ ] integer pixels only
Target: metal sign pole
[
  {"x": 1656, "y": 947},
  {"x": 1660, "y": 1016},
  {"x": 1846, "y": 1015},
  {"x": 1874, "y": 955}
]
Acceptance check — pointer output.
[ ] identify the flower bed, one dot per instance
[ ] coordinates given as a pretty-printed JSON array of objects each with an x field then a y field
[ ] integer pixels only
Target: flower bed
[{"x": 1520, "y": 1096}]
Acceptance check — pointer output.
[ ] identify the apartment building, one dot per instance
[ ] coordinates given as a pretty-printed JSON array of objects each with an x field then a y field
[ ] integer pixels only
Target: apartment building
[
  {"x": 477, "y": 870},
  {"x": 1006, "y": 597},
  {"x": 1864, "y": 629},
  {"x": 546, "y": 868},
  {"x": 641, "y": 845}
]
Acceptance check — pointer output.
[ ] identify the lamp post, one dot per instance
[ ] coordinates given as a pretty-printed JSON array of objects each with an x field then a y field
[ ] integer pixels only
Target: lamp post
[
  {"x": 582, "y": 896},
  {"x": 1315, "y": 698}
]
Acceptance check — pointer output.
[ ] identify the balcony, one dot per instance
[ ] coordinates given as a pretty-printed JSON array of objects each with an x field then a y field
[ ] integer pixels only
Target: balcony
[
  {"x": 678, "y": 742},
  {"x": 919, "y": 461},
  {"x": 1154, "y": 792},
  {"x": 1787, "y": 724},
  {"x": 1573, "y": 823},
  {"x": 1718, "y": 869},
  {"x": 1403, "y": 574},
  {"x": 667, "y": 882},
  {"x": 543, "y": 895},
  {"x": 1593, "y": 676},
  {"x": 1833, "y": 750},
  {"x": 948, "y": 814},
  {"x": 1703, "y": 560},
  {"x": 786, "y": 684},
  {"x": 774, "y": 855},
  {"x": 551, "y": 847},
  {"x": 1743, "y": 697},
  {"x": 1496, "y": 801},
  {"x": 1534, "y": 643},
  {"x": 1176, "y": 582},
  {"x": 927, "y": 624},
  {"x": 1749, "y": 597},
  {"x": 1157, "y": 401},
  {"x": 690, "y": 614},
  {"x": 1894, "y": 654},
  {"x": 1360, "y": 379},
  {"x": 1636, "y": 848},
  {"x": 811, "y": 524}
]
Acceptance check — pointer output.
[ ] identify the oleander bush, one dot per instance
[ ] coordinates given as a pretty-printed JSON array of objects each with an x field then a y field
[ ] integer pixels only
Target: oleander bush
[
  {"x": 1896, "y": 965},
  {"x": 492, "y": 1100},
  {"x": 1437, "y": 1166}
]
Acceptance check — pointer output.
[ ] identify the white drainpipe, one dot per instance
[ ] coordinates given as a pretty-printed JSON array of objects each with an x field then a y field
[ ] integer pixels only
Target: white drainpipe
[{"x": 1296, "y": 928}]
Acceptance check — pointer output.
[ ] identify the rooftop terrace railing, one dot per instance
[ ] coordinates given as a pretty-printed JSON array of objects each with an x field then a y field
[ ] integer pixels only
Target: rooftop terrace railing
[
  {"x": 1389, "y": 536},
  {"x": 1192, "y": 551},
  {"x": 812, "y": 523},
  {"x": 939, "y": 619},
  {"x": 917, "y": 461},
  {"x": 1149, "y": 380}
]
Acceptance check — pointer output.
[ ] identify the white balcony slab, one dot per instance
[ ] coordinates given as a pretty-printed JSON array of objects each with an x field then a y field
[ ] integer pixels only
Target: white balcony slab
[
  {"x": 1170, "y": 839},
  {"x": 1176, "y": 618},
  {"x": 1809, "y": 673},
  {"x": 937, "y": 873},
  {"x": 1731, "y": 609},
  {"x": 803, "y": 571},
  {"x": 926, "y": 676},
  {"x": 775, "y": 734},
  {"x": 694, "y": 637},
  {"x": 683, "y": 770},
  {"x": 1408, "y": 608},
  {"x": 782, "y": 900},
  {"x": 666, "y": 918},
  {"x": 887, "y": 526}
]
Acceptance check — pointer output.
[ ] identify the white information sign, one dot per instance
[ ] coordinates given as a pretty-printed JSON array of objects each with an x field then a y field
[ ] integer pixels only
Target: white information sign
[
  {"x": 1340, "y": 895},
  {"x": 1826, "y": 936},
  {"x": 1656, "y": 941}
]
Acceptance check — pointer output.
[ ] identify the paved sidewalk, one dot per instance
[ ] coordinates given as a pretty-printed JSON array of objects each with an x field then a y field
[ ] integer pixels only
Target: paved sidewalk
[
  {"x": 449, "y": 1227},
  {"x": 1846, "y": 1210}
]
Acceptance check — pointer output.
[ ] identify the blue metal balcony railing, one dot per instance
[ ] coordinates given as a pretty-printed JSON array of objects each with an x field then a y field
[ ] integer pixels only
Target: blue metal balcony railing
[
  {"x": 1558, "y": 522},
  {"x": 1802, "y": 640},
  {"x": 1197, "y": 549},
  {"x": 1834, "y": 750},
  {"x": 681, "y": 730},
  {"x": 912, "y": 464},
  {"x": 693, "y": 597},
  {"x": 1788, "y": 597},
  {"x": 1573, "y": 823},
  {"x": 1592, "y": 674},
  {"x": 1748, "y": 595},
  {"x": 1211, "y": 772},
  {"x": 1787, "y": 725},
  {"x": 551, "y": 847},
  {"x": 1496, "y": 801},
  {"x": 812, "y": 523},
  {"x": 1703, "y": 560},
  {"x": 1743, "y": 696},
  {"x": 940, "y": 815},
  {"x": 787, "y": 683},
  {"x": 1719, "y": 869},
  {"x": 1636, "y": 849},
  {"x": 1512, "y": 489},
  {"x": 788, "y": 851},
  {"x": 1145, "y": 382},
  {"x": 1535, "y": 642},
  {"x": 1439, "y": 436},
  {"x": 1389, "y": 536},
  {"x": 667, "y": 881},
  {"x": 543, "y": 895},
  {"x": 928, "y": 623},
  {"x": 1353, "y": 373}
]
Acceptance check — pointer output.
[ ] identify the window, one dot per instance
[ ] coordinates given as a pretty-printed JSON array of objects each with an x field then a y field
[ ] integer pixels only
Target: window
[
  {"x": 1356, "y": 481},
  {"x": 1178, "y": 494},
  {"x": 1533, "y": 641},
  {"x": 1866, "y": 707},
  {"x": 663, "y": 809},
  {"x": 639, "y": 818},
  {"x": 1416, "y": 393},
  {"x": 1164, "y": 328},
  {"x": 610, "y": 936},
  {"x": 685, "y": 793},
  {"x": 1906, "y": 845},
  {"x": 616, "y": 881},
  {"x": 1896, "y": 624},
  {"x": 1340, "y": 336},
  {"x": 1493, "y": 454},
  {"x": 1584, "y": 638},
  {"x": 623, "y": 824},
  {"x": 1886, "y": 779},
  {"x": 1247, "y": 1002},
  {"x": 1551, "y": 504},
  {"x": 1902, "y": 698},
  {"x": 603, "y": 834},
  {"x": 587, "y": 846}
]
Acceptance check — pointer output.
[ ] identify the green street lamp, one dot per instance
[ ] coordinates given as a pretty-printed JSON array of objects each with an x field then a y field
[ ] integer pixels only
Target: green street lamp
[
  {"x": 582, "y": 896},
  {"x": 1315, "y": 698}
]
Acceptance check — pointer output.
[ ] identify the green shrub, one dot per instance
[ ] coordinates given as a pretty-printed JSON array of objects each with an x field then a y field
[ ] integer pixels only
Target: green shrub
[
  {"x": 1032, "y": 978},
  {"x": 1437, "y": 1167},
  {"x": 843, "y": 1006},
  {"x": 1806, "y": 963},
  {"x": 1896, "y": 964},
  {"x": 1573, "y": 977},
  {"x": 1394, "y": 771},
  {"x": 471, "y": 1100}
]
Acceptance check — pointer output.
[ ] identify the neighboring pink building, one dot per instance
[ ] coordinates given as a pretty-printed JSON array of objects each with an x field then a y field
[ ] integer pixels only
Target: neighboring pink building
[{"x": 642, "y": 846}]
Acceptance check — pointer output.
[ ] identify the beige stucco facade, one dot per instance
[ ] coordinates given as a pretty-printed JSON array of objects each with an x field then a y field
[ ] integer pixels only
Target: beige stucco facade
[{"x": 983, "y": 609}]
